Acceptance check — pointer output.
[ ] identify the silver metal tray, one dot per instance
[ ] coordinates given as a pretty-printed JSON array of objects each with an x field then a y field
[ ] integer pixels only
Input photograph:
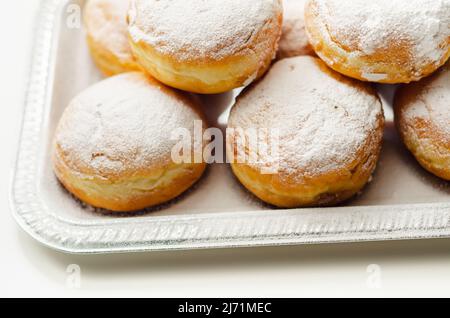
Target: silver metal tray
[{"x": 402, "y": 202}]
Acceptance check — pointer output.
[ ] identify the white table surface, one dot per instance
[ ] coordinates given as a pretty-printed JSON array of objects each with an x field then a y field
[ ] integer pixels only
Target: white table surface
[{"x": 416, "y": 268}]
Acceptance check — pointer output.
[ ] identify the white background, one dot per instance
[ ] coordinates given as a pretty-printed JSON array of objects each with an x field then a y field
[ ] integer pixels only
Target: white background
[{"x": 416, "y": 268}]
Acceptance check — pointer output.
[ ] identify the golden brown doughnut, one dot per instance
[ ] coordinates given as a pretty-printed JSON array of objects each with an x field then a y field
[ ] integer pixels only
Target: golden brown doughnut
[
  {"x": 385, "y": 41},
  {"x": 422, "y": 112},
  {"x": 112, "y": 147},
  {"x": 107, "y": 36},
  {"x": 294, "y": 41},
  {"x": 329, "y": 130},
  {"x": 205, "y": 46}
]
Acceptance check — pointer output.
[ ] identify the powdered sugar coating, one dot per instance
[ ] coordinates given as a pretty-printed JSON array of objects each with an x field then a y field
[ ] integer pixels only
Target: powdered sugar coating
[
  {"x": 122, "y": 124},
  {"x": 106, "y": 24},
  {"x": 199, "y": 29},
  {"x": 364, "y": 27},
  {"x": 323, "y": 120},
  {"x": 294, "y": 41},
  {"x": 431, "y": 102}
]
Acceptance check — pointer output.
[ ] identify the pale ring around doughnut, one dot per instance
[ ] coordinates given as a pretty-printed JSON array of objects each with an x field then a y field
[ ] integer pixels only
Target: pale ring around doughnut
[
  {"x": 107, "y": 36},
  {"x": 383, "y": 41},
  {"x": 112, "y": 147},
  {"x": 423, "y": 120},
  {"x": 205, "y": 47},
  {"x": 329, "y": 130}
]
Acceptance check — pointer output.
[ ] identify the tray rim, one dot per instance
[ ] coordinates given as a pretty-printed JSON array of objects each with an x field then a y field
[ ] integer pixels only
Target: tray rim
[{"x": 415, "y": 221}]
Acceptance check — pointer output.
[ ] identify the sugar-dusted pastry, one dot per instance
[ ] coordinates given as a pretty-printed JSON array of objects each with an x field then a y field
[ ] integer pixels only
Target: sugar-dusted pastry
[
  {"x": 384, "y": 41},
  {"x": 294, "y": 41},
  {"x": 328, "y": 130},
  {"x": 107, "y": 35},
  {"x": 205, "y": 46},
  {"x": 113, "y": 146},
  {"x": 423, "y": 119}
]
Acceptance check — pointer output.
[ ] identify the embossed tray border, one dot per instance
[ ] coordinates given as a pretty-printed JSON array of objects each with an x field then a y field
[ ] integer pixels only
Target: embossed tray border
[{"x": 307, "y": 226}]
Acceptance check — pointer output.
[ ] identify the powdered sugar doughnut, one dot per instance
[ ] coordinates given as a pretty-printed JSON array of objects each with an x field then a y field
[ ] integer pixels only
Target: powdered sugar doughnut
[
  {"x": 205, "y": 46},
  {"x": 423, "y": 121},
  {"x": 294, "y": 41},
  {"x": 107, "y": 35},
  {"x": 381, "y": 41},
  {"x": 329, "y": 131},
  {"x": 113, "y": 145}
]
